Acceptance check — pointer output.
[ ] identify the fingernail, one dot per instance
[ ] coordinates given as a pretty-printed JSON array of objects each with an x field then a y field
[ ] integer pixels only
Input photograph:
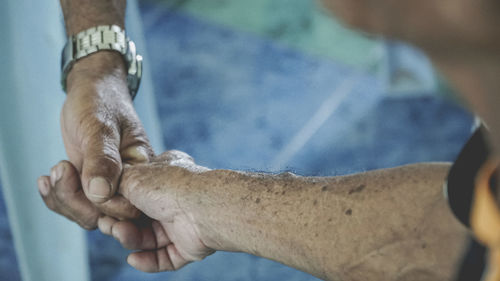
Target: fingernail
[
  {"x": 99, "y": 188},
  {"x": 56, "y": 174},
  {"x": 43, "y": 187},
  {"x": 59, "y": 171},
  {"x": 53, "y": 177}
]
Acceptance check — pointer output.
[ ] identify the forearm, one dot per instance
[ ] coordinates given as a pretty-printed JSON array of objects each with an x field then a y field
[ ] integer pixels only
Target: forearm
[
  {"x": 371, "y": 226},
  {"x": 82, "y": 14}
]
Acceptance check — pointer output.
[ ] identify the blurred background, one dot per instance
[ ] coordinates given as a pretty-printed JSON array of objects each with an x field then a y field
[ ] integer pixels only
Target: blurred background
[{"x": 278, "y": 86}]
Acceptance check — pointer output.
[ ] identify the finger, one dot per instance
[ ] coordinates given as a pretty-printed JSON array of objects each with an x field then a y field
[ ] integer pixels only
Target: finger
[
  {"x": 105, "y": 224},
  {"x": 69, "y": 196},
  {"x": 135, "y": 147},
  {"x": 161, "y": 236},
  {"x": 48, "y": 196},
  {"x": 120, "y": 208},
  {"x": 174, "y": 156},
  {"x": 102, "y": 163},
  {"x": 136, "y": 154},
  {"x": 63, "y": 194},
  {"x": 43, "y": 183},
  {"x": 166, "y": 258},
  {"x": 135, "y": 237}
]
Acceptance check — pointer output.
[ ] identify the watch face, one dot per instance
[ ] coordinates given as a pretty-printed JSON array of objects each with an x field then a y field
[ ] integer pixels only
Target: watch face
[
  {"x": 134, "y": 63},
  {"x": 66, "y": 61},
  {"x": 134, "y": 79}
]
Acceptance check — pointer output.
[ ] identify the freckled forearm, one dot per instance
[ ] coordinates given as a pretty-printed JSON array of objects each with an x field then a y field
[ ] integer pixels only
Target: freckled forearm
[{"x": 350, "y": 228}]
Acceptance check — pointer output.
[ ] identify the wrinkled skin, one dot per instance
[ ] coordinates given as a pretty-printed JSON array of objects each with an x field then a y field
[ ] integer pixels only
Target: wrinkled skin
[
  {"x": 167, "y": 238},
  {"x": 101, "y": 131}
]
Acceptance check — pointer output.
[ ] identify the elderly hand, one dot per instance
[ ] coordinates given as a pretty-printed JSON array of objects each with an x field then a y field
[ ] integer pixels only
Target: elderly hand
[
  {"x": 101, "y": 131},
  {"x": 168, "y": 239},
  {"x": 162, "y": 190}
]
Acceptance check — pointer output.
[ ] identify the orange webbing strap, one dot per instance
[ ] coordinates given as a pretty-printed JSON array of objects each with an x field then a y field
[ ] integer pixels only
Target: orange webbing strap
[{"x": 485, "y": 219}]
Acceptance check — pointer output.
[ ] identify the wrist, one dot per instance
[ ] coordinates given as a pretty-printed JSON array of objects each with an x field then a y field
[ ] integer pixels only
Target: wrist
[
  {"x": 216, "y": 209},
  {"x": 105, "y": 66}
]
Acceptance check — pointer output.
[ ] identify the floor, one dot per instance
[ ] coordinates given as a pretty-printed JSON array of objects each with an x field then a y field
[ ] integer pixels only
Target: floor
[{"x": 236, "y": 92}]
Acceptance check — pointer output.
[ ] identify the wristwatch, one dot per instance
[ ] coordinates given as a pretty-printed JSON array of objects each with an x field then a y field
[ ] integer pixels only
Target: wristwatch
[{"x": 103, "y": 37}]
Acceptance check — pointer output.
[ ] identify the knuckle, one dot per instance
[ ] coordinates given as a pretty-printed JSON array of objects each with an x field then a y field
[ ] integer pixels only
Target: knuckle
[
  {"x": 134, "y": 132},
  {"x": 63, "y": 197},
  {"x": 175, "y": 155},
  {"x": 65, "y": 164},
  {"x": 131, "y": 179},
  {"x": 96, "y": 134},
  {"x": 106, "y": 163},
  {"x": 88, "y": 222},
  {"x": 131, "y": 213},
  {"x": 108, "y": 160},
  {"x": 87, "y": 226},
  {"x": 51, "y": 205}
]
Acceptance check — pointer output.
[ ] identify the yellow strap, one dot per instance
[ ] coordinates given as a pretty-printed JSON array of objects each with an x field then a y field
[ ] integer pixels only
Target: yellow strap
[
  {"x": 493, "y": 273},
  {"x": 485, "y": 219}
]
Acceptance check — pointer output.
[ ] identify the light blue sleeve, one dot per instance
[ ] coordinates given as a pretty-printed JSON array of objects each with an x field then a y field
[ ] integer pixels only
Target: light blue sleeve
[{"x": 48, "y": 246}]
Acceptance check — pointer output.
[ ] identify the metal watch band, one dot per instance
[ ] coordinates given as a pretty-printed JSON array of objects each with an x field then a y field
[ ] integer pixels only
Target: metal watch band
[{"x": 95, "y": 39}]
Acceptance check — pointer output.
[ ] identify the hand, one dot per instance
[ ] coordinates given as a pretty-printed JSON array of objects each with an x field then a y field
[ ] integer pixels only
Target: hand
[
  {"x": 160, "y": 190},
  {"x": 101, "y": 131},
  {"x": 167, "y": 239},
  {"x": 62, "y": 193}
]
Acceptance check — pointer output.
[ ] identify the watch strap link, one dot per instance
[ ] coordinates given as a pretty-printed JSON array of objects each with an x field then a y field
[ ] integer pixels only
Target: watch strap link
[
  {"x": 110, "y": 37},
  {"x": 104, "y": 37}
]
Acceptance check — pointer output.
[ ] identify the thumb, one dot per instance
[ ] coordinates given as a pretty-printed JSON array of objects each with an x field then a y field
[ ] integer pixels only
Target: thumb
[{"x": 102, "y": 167}]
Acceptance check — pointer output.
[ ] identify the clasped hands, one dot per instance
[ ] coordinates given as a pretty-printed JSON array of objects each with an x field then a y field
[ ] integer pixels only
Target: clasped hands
[
  {"x": 162, "y": 228},
  {"x": 113, "y": 181}
]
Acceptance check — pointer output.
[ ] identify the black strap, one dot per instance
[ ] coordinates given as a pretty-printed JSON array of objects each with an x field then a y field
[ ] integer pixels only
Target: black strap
[
  {"x": 473, "y": 264},
  {"x": 462, "y": 175}
]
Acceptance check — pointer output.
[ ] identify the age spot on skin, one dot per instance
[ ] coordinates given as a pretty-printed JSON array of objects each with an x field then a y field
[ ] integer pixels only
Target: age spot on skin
[{"x": 357, "y": 189}]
